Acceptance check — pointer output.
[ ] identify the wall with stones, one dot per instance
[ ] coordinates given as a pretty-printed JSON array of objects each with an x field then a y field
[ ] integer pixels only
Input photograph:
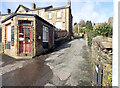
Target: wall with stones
[{"x": 102, "y": 60}]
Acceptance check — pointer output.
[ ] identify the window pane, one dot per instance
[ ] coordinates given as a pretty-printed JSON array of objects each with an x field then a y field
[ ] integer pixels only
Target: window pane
[
  {"x": 45, "y": 34},
  {"x": 41, "y": 13},
  {"x": 58, "y": 14},
  {"x": 22, "y": 30},
  {"x": 28, "y": 30},
  {"x": 49, "y": 16},
  {"x": 8, "y": 33},
  {"x": 29, "y": 34},
  {"x": 59, "y": 25}
]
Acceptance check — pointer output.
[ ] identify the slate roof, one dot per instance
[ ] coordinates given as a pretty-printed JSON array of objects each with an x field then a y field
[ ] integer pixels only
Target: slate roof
[
  {"x": 57, "y": 8},
  {"x": 47, "y": 7},
  {"x": 26, "y": 9}
]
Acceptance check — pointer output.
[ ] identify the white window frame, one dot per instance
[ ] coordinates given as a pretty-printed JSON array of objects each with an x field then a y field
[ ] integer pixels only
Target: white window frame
[
  {"x": 59, "y": 24},
  {"x": 41, "y": 13},
  {"x": 45, "y": 34},
  {"x": 58, "y": 14},
  {"x": 49, "y": 15},
  {"x": 9, "y": 33},
  {"x": 0, "y": 19}
]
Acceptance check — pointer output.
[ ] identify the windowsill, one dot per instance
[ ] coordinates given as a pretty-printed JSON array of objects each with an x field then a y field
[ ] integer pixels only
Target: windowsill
[
  {"x": 59, "y": 17},
  {"x": 50, "y": 19},
  {"x": 45, "y": 41}
]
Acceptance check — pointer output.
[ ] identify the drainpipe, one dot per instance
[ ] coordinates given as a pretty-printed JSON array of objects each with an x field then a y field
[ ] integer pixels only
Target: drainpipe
[{"x": 17, "y": 39}]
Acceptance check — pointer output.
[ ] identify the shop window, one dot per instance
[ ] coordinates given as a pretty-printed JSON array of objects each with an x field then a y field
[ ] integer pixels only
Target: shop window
[
  {"x": 45, "y": 34},
  {"x": 8, "y": 36}
]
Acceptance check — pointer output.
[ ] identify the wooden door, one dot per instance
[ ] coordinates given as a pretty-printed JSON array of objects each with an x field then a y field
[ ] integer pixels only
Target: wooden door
[{"x": 25, "y": 39}]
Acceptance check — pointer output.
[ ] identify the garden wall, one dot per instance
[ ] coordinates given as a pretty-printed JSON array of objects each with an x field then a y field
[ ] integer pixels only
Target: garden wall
[{"x": 101, "y": 56}]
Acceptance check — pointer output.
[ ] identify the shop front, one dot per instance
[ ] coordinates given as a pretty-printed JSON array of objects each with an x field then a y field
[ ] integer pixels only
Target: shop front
[{"x": 24, "y": 35}]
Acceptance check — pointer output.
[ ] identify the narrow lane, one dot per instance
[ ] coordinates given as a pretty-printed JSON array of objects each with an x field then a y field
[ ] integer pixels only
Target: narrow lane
[{"x": 68, "y": 65}]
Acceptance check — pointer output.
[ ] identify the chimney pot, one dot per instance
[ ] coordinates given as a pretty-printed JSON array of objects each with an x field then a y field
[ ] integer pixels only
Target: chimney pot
[
  {"x": 8, "y": 11},
  {"x": 33, "y": 5}
]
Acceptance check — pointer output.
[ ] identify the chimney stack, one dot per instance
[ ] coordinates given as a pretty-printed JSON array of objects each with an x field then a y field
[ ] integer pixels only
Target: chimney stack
[
  {"x": 69, "y": 3},
  {"x": 8, "y": 11},
  {"x": 33, "y": 6}
]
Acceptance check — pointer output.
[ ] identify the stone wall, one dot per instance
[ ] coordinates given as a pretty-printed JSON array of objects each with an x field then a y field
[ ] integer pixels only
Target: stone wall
[
  {"x": 102, "y": 60},
  {"x": 60, "y": 33}
]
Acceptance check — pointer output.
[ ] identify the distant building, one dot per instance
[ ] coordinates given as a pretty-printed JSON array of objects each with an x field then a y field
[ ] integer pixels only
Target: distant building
[{"x": 110, "y": 21}]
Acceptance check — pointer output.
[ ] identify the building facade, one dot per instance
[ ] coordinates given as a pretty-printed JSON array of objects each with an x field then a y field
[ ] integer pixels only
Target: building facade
[
  {"x": 60, "y": 17},
  {"x": 28, "y": 32}
]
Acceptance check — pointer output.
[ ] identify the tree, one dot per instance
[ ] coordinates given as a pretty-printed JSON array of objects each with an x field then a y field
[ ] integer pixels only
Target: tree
[
  {"x": 104, "y": 29},
  {"x": 82, "y": 23},
  {"x": 89, "y": 32},
  {"x": 75, "y": 23},
  {"x": 89, "y": 25}
]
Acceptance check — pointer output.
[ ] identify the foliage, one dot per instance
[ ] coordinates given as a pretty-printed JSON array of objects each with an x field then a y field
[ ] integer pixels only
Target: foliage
[
  {"x": 104, "y": 30},
  {"x": 76, "y": 29},
  {"x": 89, "y": 25},
  {"x": 82, "y": 23},
  {"x": 82, "y": 30},
  {"x": 75, "y": 23},
  {"x": 89, "y": 32},
  {"x": 110, "y": 76}
]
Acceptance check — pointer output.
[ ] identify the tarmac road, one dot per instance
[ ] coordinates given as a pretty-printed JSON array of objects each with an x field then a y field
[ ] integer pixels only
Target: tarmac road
[{"x": 68, "y": 65}]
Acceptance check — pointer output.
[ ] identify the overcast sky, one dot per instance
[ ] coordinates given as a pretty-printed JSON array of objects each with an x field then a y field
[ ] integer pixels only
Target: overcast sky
[{"x": 95, "y": 10}]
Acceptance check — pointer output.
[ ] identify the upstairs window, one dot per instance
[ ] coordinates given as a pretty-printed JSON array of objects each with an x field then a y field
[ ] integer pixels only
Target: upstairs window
[
  {"x": 58, "y": 14},
  {"x": 41, "y": 13},
  {"x": 49, "y": 16}
]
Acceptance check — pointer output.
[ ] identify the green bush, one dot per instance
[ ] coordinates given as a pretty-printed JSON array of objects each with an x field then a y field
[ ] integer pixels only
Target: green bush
[
  {"x": 89, "y": 32},
  {"x": 103, "y": 30}
]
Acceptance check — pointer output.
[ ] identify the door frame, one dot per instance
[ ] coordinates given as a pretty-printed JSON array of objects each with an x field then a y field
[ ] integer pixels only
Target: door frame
[{"x": 24, "y": 48}]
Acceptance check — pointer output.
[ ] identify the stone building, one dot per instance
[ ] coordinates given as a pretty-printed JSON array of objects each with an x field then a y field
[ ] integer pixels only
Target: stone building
[
  {"x": 26, "y": 35},
  {"x": 110, "y": 21},
  {"x": 28, "y": 32},
  {"x": 60, "y": 17}
]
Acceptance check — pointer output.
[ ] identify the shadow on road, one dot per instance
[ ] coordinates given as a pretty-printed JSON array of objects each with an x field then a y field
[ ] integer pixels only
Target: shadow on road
[
  {"x": 8, "y": 60},
  {"x": 78, "y": 37},
  {"x": 35, "y": 74},
  {"x": 63, "y": 46}
]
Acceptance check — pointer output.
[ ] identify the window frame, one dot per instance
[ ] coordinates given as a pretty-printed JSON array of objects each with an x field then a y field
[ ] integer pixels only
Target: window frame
[
  {"x": 8, "y": 43},
  {"x": 45, "y": 33},
  {"x": 49, "y": 15},
  {"x": 59, "y": 14},
  {"x": 42, "y": 13},
  {"x": 59, "y": 22}
]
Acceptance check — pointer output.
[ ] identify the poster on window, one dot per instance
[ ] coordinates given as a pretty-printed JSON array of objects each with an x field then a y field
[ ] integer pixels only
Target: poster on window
[{"x": 12, "y": 36}]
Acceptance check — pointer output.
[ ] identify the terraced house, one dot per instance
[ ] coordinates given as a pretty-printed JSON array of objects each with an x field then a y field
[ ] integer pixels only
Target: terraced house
[{"x": 28, "y": 32}]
